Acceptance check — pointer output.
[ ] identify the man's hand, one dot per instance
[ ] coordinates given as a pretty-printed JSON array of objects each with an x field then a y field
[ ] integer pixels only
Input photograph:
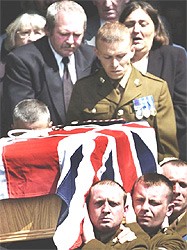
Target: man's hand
[
  {"x": 130, "y": 214},
  {"x": 125, "y": 235},
  {"x": 165, "y": 223},
  {"x": 88, "y": 232}
]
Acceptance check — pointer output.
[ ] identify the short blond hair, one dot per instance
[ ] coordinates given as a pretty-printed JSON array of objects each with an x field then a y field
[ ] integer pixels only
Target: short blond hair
[
  {"x": 113, "y": 32},
  {"x": 108, "y": 183}
]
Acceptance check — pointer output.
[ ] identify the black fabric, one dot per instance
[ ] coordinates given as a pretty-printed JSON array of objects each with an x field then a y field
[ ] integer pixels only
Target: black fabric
[{"x": 67, "y": 83}]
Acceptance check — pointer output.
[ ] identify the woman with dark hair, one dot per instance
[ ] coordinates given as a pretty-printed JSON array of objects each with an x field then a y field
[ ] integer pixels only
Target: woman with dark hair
[{"x": 153, "y": 54}]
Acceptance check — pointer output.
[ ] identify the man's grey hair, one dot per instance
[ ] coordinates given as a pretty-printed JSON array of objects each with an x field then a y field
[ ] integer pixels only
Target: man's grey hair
[
  {"x": 30, "y": 111},
  {"x": 65, "y": 6}
]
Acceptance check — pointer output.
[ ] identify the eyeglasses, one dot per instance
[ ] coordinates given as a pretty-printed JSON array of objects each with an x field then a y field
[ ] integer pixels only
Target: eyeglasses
[{"x": 27, "y": 33}]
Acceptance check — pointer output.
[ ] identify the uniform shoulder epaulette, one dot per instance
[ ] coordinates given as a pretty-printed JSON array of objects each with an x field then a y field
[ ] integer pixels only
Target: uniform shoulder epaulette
[{"x": 151, "y": 76}]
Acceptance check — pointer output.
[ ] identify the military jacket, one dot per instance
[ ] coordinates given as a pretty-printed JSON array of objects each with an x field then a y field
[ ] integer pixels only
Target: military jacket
[{"x": 96, "y": 98}]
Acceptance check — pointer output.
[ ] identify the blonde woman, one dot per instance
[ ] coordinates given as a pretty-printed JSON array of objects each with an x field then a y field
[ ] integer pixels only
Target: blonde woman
[{"x": 26, "y": 28}]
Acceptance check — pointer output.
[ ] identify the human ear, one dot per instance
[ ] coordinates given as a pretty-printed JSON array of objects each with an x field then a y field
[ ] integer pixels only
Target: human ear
[
  {"x": 170, "y": 209},
  {"x": 132, "y": 51},
  {"x": 50, "y": 124},
  {"x": 165, "y": 222}
]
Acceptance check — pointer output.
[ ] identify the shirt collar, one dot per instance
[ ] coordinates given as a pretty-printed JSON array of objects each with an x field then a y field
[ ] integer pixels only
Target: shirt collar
[{"x": 57, "y": 56}]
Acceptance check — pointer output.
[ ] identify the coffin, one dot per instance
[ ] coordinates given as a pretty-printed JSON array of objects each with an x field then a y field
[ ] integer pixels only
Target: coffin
[
  {"x": 44, "y": 178},
  {"x": 29, "y": 218}
]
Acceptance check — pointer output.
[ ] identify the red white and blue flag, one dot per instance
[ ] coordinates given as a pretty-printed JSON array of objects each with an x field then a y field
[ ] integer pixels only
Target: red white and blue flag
[{"x": 67, "y": 162}]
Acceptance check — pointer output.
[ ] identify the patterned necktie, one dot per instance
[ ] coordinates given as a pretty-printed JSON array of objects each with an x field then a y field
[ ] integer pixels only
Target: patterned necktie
[
  {"x": 119, "y": 89},
  {"x": 67, "y": 83}
]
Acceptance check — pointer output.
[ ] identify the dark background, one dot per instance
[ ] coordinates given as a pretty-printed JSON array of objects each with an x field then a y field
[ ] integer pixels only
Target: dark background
[{"x": 173, "y": 11}]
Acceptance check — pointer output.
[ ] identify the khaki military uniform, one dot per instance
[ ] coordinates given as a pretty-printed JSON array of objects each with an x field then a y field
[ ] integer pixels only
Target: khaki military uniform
[
  {"x": 180, "y": 226},
  {"x": 95, "y": 97},
  {"x": 142, "y": 242},
  {"x": 165, "y": 238}
]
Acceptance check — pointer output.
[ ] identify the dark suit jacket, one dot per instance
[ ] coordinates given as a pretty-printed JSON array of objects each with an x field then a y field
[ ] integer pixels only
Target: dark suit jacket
[
  {"x": 32, "y": 72},
  {"x": 169, "y": 63},
  {"x": 93, "y": 25},
  {"x": 2, "y": 72}
]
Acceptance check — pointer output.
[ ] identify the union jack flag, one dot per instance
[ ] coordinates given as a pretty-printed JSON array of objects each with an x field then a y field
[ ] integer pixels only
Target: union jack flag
[{"x": 68, "y": 161}]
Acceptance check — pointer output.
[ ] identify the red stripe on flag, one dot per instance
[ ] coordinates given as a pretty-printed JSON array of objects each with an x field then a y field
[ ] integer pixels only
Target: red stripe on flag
[
  {"x": 28, "y": 163},
  {"x": 125, "y": 160},
  {"x": 97, "y": 155}
]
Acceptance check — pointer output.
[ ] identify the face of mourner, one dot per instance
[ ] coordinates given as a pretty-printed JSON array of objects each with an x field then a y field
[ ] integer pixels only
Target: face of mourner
[
  {"x": 106, "y": 207},
  {"x": 179, "y": 178},
  {"x": 67, "y": 34},
  {"x": 115, "y": 57},
  {"x": 142, "y": 29},
  {"x": 110, "y": 10},
  {"x": 151, "y": 205},
  {"x": 28, "y": 34}
]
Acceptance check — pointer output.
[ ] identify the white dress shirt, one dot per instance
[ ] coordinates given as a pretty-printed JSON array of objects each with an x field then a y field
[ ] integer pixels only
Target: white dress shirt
[{"x": 71, "y": 65}]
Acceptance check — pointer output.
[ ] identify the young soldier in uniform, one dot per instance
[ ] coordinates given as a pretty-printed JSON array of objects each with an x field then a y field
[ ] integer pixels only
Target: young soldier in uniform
[
  {"x": 176, "y": 171},
  {"x": 118, "y": 90},
  {"x": 107, "y": 216}
]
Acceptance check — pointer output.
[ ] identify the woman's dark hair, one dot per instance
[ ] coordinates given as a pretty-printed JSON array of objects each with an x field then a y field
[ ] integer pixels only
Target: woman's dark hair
[{"x": 161, "y": 33}]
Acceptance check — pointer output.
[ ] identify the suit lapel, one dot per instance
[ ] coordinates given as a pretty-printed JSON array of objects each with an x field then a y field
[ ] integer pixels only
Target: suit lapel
[
  {"x": 54, "y": 84},
  {"x": 83, "y": 61},
  {"x": 47, "y": 54},
  {"x": 53, "y": 80},
  {"x": 92, "y": 27},
  {"x": 155, "y": 62},
  {"x": 80, "y": 65}
]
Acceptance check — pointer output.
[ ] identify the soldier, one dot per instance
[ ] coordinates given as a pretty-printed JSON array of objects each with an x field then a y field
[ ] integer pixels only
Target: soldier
[
  {"x": 106, "y": 218},
  {"x": 176, "y": 170},
  {"x": 118, "y": 90}
]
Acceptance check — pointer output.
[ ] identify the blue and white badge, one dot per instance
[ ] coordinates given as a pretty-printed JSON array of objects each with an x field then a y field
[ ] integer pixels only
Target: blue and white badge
[
  {"x": 138, "y": 109},
  {"x": 144, "y": 107}
]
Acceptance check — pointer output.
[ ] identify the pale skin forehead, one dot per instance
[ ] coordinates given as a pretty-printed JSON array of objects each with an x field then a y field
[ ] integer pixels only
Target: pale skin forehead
[
  {"x": 138, "y": 14},
  {"x": 118, "y": 47},
  {"x": 41, "y": 124},
  {"x": 175, "y": 172},
  {"x": 153, "y": 192},
  {"x": 114, "y": 193},
  {"x": 69, "y": 22},
  {"x": 27, "y": 26}
]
